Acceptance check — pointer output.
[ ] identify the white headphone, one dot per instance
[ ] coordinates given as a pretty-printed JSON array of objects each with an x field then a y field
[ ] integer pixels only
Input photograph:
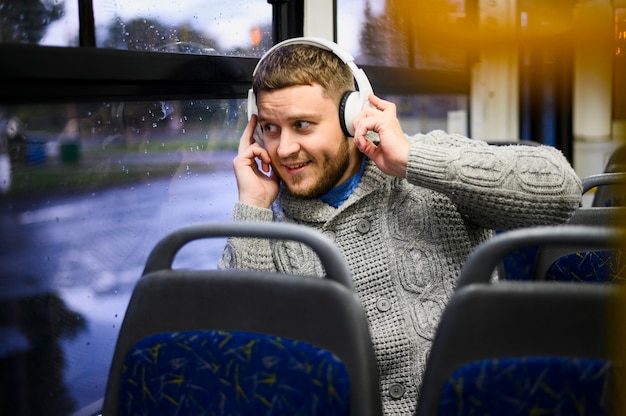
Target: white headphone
[{"x": 351, "y": 103}]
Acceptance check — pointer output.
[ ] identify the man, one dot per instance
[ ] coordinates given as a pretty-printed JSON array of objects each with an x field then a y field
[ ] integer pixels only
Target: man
[{"x": 405, "y": 211}]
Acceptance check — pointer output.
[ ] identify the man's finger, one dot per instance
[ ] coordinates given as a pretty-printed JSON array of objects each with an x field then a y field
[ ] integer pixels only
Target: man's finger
[{"x": 247, "y": 138}]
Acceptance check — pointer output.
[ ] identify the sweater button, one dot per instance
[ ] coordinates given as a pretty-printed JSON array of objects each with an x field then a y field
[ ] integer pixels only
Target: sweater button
[
  {"x": 396, "y": 390},
  {"x": 383, "y": 304},
  {"x": 330, "y": 235},
  {"x": 363, "y": 226}
]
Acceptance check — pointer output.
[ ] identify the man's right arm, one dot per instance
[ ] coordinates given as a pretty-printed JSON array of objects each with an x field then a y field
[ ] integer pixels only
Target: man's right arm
[
  {"x": 257, "y": 186},
  {"x": 248, "y": 253},
  {"x": 257, "y": 191}
]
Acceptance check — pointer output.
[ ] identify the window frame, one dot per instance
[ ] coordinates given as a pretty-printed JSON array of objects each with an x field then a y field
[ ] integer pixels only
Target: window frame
[{"x": 44, "y": 74}]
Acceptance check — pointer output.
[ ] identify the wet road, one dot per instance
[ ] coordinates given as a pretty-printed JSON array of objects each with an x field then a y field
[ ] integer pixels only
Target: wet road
[{"x": 68, "y": 266}]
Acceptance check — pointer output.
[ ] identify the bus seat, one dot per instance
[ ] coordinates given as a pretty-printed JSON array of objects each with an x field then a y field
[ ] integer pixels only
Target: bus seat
[
  {"x": 605, "y": 210},
  {"x": 581, "y": 265},
  {"x": 519, "y": 264},
  {"x": 570, "y": 252},
  {"x": 519, "y": 348},
  {"x": 617, "y": 160},
  {"x": 556, "y": 262},
  {"x": 567, "y": 262},
  {"x": 523, "y": 347},
  {"x": 243, "y": 341},
  {"x": 610, "y": 189}
]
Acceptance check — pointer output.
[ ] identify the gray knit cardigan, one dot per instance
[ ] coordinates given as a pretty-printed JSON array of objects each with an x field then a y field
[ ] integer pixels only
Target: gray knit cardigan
[{"x": 406, "y": 239}]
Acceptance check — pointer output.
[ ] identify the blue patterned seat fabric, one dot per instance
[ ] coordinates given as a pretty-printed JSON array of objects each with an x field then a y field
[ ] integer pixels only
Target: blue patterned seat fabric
[
  {"x": 519, "y": 265},
  {"x": 231, "y": 373},
  {"x": 601, "y": 266},
  {"x": 598, "y": 266},
  {"x": 529, "y": 386}
]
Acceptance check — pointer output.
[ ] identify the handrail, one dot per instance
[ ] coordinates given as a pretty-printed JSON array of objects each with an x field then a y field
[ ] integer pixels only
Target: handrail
[
  {"x": 334, "y": 263},
  {"x": 481, "y": 263}
]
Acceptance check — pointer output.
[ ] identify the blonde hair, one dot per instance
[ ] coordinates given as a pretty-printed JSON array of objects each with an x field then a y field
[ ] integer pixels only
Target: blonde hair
[{"x": 302, "y": 64}]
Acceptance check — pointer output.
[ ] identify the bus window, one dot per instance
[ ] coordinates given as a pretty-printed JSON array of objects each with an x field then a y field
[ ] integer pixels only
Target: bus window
[
  {"x": 93, "y": 187},
  {"x": 28, "y": 22},
  {"x": 234, "y": 28},
  {"x": 424, "y": 113},
  {"x": 392, "y": 34},
  {"x": 417, "y": 34}
]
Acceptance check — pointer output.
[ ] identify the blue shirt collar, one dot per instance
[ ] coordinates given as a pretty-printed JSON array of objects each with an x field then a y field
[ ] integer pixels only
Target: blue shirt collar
[{"x": 338, "y": 195}]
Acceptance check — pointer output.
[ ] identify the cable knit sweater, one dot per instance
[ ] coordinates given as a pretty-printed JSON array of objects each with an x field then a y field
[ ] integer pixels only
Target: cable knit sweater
[{"x": 406, "y": 239}]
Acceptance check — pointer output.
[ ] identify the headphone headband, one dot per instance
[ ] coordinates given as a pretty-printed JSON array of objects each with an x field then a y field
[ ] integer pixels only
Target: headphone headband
[
  {"x": 322, "y": 43},
  {"x": 352, "y": 102}
]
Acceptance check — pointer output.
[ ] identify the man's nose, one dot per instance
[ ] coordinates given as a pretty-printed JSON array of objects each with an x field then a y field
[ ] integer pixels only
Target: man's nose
[{"x": 288, "y": 145}]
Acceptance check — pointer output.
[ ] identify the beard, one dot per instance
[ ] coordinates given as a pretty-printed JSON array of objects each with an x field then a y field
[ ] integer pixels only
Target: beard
[{"x": 334, "y": 169}]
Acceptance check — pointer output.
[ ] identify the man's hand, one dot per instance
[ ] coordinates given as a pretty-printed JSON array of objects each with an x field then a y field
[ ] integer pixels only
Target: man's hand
[
  {"x": 257, "y": 186},
  {"x": 392, "y": 153}
]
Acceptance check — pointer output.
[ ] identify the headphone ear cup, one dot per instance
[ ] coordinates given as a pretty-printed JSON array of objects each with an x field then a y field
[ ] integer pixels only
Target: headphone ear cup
[
  {"x": 349, "y": 107},
  {"x": 252, "y": 108}
]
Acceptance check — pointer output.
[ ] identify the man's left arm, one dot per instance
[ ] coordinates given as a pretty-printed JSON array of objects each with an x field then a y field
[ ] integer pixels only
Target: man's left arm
[{"x": 498, "y": 187}]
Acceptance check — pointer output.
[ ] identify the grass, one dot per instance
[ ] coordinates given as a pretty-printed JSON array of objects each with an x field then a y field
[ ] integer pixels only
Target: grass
[{"x": 114, "y": 165}]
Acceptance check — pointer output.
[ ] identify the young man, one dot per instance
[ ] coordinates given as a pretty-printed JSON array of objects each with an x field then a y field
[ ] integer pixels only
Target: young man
[{"x": 405, "y": 211}]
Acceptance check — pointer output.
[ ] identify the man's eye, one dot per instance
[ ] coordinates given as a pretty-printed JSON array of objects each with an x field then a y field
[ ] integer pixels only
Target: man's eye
[
  {"x": 301, "y": 124},
  {"x": 268, "y": 128}
]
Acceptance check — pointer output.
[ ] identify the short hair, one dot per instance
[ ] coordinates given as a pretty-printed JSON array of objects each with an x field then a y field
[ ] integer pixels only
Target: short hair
[{"x": 303, "y": 64}]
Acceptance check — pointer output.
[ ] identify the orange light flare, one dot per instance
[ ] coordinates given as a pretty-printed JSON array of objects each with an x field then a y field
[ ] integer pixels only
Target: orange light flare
[
  {"x": 256, "y": 36},
  {"x": 447, "y": 23}
]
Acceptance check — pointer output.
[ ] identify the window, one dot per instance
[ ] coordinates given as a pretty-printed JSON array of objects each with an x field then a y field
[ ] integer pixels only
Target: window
[
  {"x": 241, "y": 28},
  {"x": 417, "y": 34},
  {"x": 28, "y": 21},
  {"x": 103, "y": 151},
  {"x": 94, "y": 187},
  {"x": 118, "y": 124},
  {"x": 236, "y": 28},
  {"x": 424, "y": 36}
]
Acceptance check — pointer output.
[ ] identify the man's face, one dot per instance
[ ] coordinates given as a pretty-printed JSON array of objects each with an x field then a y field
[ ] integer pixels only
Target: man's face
[{"x": 302, "y": 134}]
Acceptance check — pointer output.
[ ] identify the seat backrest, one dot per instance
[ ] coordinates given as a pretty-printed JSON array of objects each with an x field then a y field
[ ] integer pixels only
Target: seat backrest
[
  {"x": 617, "y": 160},
  {"x": 611, "y": 188},
  {"x": 551, "y": 242},
  {"x": 243, "y": 341},
  {"x": 511, "y": 347},
  {"x": 567, "y": 261},
  {"x": 518, "y": 264},
  {"x": 514, "y": 347},
  {"x": 605, "y": 211}
]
